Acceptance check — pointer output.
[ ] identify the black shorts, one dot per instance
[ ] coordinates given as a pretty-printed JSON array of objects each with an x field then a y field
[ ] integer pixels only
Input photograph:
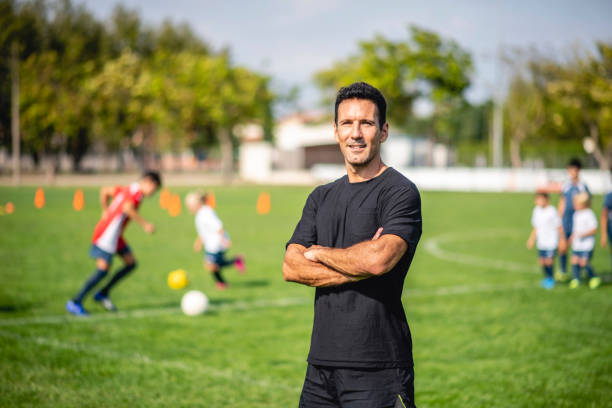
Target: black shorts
[{"x": 358, "y": 387}]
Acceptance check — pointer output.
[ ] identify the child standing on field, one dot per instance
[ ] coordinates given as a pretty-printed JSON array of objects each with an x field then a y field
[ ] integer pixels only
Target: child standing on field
[
  {"x": 583, "y": 240},
  {"x": 605, "y": 219},
  {"x": 548, "y": 235}
]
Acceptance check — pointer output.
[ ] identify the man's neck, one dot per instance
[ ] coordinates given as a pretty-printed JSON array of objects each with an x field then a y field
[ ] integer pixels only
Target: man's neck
[{"x": 357, "y": 174}]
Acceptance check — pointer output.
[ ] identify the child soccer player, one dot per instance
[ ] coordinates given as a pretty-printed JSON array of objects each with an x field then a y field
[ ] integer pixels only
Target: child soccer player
[
  {"x": 216, "y": 241},
  {"x": 606, "y": 219},
  {"x": 583, "y": 240},
  {"x": 566, "y": 209},
  {"x": 108, "y": 239},
  {"x": 548, "y": 233}
]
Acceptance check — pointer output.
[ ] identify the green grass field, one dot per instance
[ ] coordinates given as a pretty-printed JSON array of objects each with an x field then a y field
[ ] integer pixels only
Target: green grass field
[{"x": 485, "y": 334}]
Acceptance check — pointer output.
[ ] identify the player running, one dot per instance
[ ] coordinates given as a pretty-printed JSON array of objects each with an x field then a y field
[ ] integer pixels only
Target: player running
[
  {"x": 213, "y": 237},
  {"x": 566, "y": 209},
  {"x": 108, "y": 239}
]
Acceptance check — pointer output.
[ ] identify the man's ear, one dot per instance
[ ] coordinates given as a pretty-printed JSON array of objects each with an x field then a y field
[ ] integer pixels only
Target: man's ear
[
  {"x": 384, "y": 133},
  {"x": 336, "y": 133}
]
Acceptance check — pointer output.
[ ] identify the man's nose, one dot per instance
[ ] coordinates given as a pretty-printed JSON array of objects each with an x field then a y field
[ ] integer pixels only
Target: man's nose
[{"x": 356, "y": 131}]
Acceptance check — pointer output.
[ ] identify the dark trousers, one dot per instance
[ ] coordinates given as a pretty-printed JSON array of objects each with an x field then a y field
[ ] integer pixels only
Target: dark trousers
[{"x": 358, "y": 387}]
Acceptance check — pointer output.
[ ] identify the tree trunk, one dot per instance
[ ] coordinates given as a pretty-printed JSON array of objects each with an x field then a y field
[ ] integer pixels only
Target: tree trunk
[
  {"x": 79, "y": 148},
  {"x": 227, "y": 154},
  {"x": 515, "y": 150},
  {"x": 602, "y": 160},
  {"x": 15, "y": 113}
]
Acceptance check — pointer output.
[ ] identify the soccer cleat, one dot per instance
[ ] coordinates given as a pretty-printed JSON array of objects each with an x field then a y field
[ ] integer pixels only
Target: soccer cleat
[
  {"x": 105, "y": 302},
  {"x": 560, "y": 276},
  {"x": 547, "y": 283},
  {"x": 239, "y": 264},
  {"x": 594, "y": 282},
  {"x": 221, "y": 285},
  {"x": 574, "y": 283},
  {"x": 76, "y": 309}
]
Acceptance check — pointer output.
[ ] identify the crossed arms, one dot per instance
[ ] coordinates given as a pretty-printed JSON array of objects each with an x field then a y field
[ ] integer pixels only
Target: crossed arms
[{"x": 323, "y": 266}]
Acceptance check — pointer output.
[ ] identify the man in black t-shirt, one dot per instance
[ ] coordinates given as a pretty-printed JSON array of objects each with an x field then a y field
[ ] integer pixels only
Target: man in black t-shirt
[{"x": 354, "y": 243}]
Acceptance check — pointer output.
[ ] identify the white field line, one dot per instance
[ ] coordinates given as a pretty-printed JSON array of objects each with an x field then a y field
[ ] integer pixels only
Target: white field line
[
  {"x": 236, "y": 306},
  {"x": 433, "y": 246},
  {"x": 139, "y": 358}
]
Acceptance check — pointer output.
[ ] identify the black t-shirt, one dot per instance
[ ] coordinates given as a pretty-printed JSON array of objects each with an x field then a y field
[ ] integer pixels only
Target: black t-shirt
[{"x": 362, "y": 324}]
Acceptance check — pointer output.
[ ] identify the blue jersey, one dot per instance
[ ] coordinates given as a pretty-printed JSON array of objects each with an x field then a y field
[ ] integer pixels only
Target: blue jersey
[
  {"x": 569, "y": 191},
  {"x": 608, "y": 205}
]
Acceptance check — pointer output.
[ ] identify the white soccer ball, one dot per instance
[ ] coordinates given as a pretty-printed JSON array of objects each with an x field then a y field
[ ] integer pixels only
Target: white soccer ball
[{"x": 194, "y": 303}]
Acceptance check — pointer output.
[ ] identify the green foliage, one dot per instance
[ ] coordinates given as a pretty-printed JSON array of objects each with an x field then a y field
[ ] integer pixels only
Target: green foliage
[
  {"x": 484, "y": 333},
  {"x": 422, "y": 66},
  {"x": 562, "y": 102},
  {"x": 121, "y": 82}
]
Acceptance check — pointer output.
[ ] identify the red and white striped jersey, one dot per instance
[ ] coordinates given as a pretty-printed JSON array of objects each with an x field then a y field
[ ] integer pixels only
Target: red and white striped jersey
[{"x": 107, "y": 234}]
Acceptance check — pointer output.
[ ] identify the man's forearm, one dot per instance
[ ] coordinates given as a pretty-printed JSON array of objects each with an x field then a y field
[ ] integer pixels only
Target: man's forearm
[
  {"x": 298, "y": 269},
  {"x": 363, "y": 260}
]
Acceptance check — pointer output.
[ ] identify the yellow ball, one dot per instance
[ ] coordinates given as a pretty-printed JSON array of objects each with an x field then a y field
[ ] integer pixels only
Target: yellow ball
[{"x": 177, "y": 279}]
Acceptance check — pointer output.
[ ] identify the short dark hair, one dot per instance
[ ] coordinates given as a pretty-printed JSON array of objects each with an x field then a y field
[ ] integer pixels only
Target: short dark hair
[
  {"x": 153, "y": 176},
  {"x": 575, "y": 163},
  {"x": 542, "y": 194},
  {"x": 362, "y": 90}
]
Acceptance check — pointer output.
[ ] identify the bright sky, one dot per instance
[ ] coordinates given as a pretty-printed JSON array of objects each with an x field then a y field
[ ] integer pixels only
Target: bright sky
[{"x": 292, "y": 39}]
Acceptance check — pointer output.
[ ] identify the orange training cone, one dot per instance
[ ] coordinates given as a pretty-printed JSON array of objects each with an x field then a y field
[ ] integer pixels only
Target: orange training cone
[
  {"x": 164, "y": 199},
  {"x": 39, "y": 198},
  {"x": 263, "y": 203},
  {"x": 9, "y": 208},
  {"x": 211, "y": 200},
  {"x": 78, "y": 202},
  {"x": 175, "y": 205}
]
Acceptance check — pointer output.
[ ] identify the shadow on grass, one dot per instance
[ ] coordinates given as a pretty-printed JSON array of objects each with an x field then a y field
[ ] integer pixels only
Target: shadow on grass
[
  {"x": 17, "y": 307},
  {"x": 606, "y": 278},
  {"x": 249, "y": 283}
]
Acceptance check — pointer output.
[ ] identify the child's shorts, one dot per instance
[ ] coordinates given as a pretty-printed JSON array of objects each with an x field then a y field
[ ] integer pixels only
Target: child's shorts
[
  {"x": 547, "y": 253},
  {"x": 583, "y": 254}
]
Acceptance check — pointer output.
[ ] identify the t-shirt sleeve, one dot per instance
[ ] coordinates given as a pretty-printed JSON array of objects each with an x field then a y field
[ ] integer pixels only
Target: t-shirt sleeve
[
  {"x": 401, "y": 215},
  {"x": 557, "y": 219},
  {"x": 305, "y": 232},
  {"x": 533, "y": 218},
  {"x": 592, "y": 220}
]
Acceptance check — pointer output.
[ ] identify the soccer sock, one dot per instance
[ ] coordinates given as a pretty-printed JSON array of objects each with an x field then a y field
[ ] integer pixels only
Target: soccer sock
[
  {"x": 563, "y": 262},
  {"x": 218, "y": 277},
  {"x": 93, "y": 280},
  {"x": 590, "y": 271},
  {"x": 548, "y": 271},
  {"x": 576, "y": 269},
  {"x": 120, "y": 274}
]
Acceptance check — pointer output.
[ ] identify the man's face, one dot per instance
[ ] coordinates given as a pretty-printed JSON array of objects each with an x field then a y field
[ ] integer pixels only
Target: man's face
[{"x": 357, "y": 131}]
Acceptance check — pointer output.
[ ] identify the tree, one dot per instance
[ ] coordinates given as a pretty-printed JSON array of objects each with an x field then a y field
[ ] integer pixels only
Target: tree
[
  {"x": 561, "y": 105},
  {"x": 583, "y": 90},
  {"x": 423, "y": 66}
]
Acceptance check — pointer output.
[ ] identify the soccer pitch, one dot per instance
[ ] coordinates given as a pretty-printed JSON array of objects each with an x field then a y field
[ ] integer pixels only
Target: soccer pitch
[{"x": 484, "y": 333}]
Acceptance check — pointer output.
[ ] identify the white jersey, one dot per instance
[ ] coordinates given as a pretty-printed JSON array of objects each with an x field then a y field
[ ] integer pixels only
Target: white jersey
[
  {"x": 546, "y": 222},
  {"x": 584, "y": 221},
  {"x": 209, "y": 228}
]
